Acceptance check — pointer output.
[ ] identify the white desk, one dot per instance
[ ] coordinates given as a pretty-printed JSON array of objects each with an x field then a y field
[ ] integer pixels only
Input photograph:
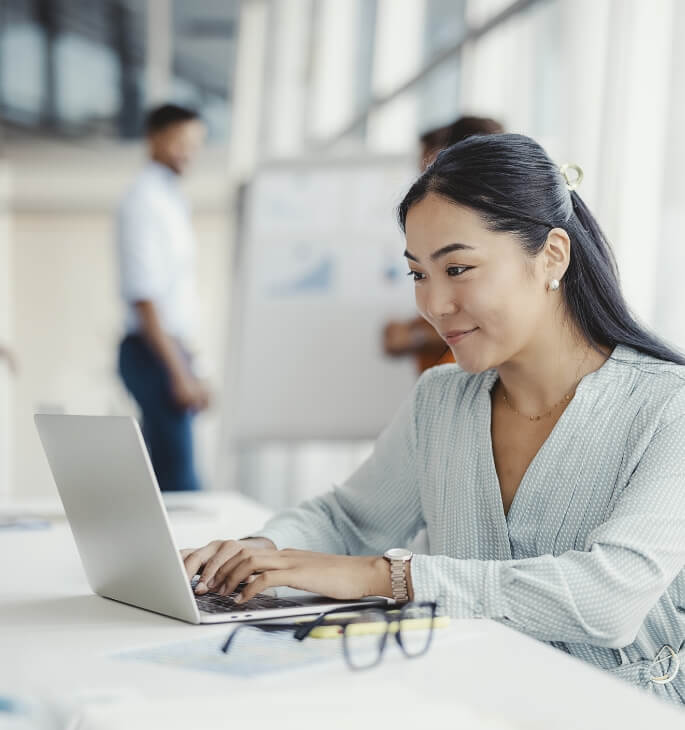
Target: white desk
[{"x": 55, "y": 638}]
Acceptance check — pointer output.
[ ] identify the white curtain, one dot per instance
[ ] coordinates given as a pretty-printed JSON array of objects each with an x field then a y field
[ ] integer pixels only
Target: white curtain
[{"x": 601, "y": 84}]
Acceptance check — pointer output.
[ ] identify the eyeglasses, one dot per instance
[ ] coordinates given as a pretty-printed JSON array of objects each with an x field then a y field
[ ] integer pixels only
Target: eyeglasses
[{"x": 364, "y": 633}]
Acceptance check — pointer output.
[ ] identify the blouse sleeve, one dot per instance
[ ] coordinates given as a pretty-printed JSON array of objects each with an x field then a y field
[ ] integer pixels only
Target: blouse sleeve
[
  {"x": 602, "y": 594},
  {"x": 377, "y": 508}
]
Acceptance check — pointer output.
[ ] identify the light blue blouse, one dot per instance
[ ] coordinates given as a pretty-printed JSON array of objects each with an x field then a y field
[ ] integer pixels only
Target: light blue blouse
[{"x": 590, "y": 556}]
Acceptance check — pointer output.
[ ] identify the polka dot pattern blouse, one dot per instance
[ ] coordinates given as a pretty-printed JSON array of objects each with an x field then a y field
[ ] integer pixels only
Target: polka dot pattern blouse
[{"x": 590, "y": 556}]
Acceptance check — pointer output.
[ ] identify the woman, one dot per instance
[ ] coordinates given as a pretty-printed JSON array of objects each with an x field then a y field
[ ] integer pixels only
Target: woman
[{"x": 547, "y": 465}]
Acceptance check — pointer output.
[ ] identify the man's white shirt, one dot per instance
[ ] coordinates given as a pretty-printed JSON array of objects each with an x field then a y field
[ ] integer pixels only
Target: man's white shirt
[{"x": 156, "y": 251}]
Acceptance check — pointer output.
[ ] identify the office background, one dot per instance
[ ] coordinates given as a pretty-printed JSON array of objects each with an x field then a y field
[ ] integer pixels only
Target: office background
[{"x": 597, "y": 82}]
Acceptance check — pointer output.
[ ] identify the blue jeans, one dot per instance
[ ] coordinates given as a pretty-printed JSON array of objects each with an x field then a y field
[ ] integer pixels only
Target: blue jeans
[{"x": 167, "y": 429}]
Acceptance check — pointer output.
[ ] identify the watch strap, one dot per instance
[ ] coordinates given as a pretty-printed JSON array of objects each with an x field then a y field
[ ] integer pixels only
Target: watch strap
[{"x": 398, "y": 580}]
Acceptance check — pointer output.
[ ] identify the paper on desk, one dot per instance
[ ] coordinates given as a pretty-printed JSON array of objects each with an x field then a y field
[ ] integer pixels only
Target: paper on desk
[
  {"x": 38, "y": 514},
  {"x": 23, "y": 523},
  {"x": 253, "y": 652}
]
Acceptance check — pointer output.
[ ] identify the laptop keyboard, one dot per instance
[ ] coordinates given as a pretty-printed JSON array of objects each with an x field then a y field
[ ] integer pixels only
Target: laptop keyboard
[{"x": 214, "y": 603}]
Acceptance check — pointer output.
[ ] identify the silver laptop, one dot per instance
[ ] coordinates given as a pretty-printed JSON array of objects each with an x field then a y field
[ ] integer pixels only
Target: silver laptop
[{"x": 120, "y": 525}]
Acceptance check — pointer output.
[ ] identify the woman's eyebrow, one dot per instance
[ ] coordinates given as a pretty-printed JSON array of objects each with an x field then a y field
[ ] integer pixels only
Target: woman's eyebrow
[{"x": 442, "y": 251}]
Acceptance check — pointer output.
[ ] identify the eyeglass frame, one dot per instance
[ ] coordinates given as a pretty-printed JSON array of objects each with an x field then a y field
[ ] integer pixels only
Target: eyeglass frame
[{"x": 302, "y": 630}]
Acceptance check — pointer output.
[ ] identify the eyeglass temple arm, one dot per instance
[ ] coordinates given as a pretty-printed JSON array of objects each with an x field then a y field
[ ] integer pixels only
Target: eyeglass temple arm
[{"x": 303, "y": 630}]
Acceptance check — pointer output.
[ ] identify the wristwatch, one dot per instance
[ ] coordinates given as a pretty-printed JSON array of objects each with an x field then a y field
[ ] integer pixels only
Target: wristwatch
[{"x": 398, "y": 558}]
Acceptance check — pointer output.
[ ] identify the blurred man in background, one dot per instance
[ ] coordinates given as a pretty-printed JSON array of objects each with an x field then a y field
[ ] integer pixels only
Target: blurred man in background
[
  {"x": 156, "y": 251},
  {"x": 417, "y": 337}
]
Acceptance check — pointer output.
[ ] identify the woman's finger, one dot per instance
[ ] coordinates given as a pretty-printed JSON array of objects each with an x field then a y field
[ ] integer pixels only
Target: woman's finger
[
  {"x": 195, "y": 560},
  {"x": 224, "y": 571},
  {"x": 267, "y": 579},
  {"x": 226, "y": 551},
  {"x": 242, "y": 567},
  {"x": 241, "y": 570},
  {"x": 185, "y": 553},
  {"x": 213, "y": 576}
]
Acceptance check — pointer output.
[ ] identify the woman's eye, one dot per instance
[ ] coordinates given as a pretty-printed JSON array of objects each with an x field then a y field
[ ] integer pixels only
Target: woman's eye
[
  {"x": 451, "y": 271},
  {"x": 457, "y": 270}
]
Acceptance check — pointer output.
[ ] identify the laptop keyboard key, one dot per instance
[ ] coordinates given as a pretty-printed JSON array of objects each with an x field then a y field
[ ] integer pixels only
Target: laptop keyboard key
[{"x": 215, "y": 603}]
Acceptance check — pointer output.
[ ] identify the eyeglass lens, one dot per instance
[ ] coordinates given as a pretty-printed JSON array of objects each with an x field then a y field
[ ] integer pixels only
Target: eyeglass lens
[
  {"x": 416, "y": 628},
  {"x": 364, "y": 639}
]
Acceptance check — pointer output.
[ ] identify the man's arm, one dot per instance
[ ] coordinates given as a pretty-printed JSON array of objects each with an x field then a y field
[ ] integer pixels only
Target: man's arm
[
  {"x": 412, "y": 337},
  {"x": 187, "y": 390}
]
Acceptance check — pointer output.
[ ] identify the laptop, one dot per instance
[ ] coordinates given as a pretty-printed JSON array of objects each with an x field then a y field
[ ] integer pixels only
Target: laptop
[{"x": 115, "y": 509}]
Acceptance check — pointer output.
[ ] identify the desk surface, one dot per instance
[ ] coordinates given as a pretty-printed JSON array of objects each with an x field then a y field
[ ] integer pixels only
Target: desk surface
[{"x": 56, "y": 638}]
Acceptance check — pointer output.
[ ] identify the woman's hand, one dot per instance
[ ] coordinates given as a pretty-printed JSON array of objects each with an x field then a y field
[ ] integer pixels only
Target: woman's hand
[
  {"x": 228, "y": 564},
  {"x": 213, "y": 555}
]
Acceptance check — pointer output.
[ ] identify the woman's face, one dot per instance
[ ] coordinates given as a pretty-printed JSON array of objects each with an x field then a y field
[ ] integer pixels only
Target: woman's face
[{"x": 484, "y": 295}]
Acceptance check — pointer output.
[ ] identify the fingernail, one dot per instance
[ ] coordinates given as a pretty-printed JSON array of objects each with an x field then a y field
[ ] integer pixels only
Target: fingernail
[
  {"x": 210, "y": 583},
  {"x": 239, "y": 598},
  {"x": 200, "y": 587},
  {"x": 251, "y": 578}
]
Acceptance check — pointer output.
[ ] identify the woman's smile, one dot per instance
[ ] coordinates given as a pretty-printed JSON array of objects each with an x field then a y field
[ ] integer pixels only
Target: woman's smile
[{"x": 454, "y": 336}]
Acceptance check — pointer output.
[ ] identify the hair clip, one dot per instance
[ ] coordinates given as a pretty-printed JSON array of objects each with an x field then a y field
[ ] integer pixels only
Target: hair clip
[{"x": 571, "y": 182}]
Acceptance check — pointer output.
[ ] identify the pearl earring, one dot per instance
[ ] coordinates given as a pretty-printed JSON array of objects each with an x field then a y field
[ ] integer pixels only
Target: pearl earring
[{"x": 553, "y": 285}]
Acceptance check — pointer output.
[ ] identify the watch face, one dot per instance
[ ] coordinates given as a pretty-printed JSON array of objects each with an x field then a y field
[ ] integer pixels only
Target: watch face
[{"x": 398, "y": 554}]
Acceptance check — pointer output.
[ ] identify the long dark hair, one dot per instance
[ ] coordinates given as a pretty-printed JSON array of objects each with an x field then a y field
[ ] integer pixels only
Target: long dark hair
[{"x": 515, "y": 187}]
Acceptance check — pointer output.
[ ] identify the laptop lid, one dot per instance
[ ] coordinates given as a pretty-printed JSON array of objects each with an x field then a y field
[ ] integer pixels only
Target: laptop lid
[{"x": 110, "y": 495}]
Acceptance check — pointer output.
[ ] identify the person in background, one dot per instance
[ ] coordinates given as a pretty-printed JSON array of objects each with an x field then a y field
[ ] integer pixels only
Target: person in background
[
  {"x": 417, "y": 337},
  {"x": 156, "y": 254}
]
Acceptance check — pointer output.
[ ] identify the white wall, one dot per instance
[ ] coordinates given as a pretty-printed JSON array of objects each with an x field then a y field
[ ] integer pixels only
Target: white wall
[{"x": 65, "y": 311}]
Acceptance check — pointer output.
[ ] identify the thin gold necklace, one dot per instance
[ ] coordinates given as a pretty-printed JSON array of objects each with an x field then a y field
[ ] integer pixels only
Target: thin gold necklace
[{"x": 566, "y": 399}]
